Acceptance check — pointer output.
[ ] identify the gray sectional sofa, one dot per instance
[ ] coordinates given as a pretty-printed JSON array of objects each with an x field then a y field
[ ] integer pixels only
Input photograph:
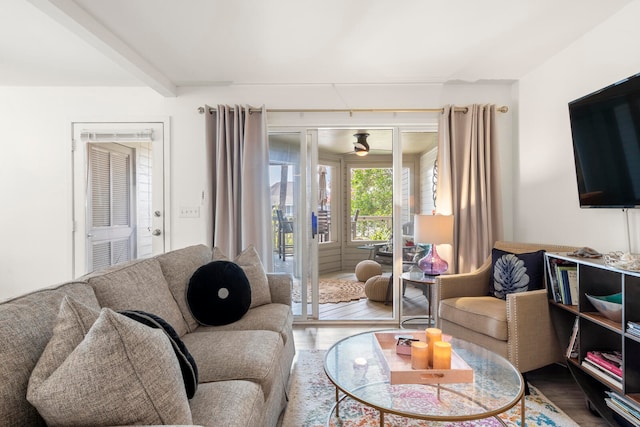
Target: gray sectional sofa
[{"x": 243, "y": 367}]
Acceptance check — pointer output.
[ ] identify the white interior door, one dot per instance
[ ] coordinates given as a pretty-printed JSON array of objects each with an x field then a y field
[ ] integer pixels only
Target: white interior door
[{"x": 120, "y": 206}]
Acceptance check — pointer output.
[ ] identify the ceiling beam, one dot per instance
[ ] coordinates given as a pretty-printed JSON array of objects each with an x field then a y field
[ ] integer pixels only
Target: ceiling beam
[{"x": 78, "y": 21}]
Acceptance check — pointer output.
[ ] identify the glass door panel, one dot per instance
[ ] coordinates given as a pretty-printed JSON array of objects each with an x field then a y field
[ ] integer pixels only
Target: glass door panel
[
  {"x": 360, "y": 207},
  {"x": 284, "y": 185},
  {"x": 290, "y": 160},
  {"x": 419, "y": 152}
]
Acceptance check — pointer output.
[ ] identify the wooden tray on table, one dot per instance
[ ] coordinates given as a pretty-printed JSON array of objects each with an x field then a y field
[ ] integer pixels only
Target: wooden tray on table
[{"x": 399, "y": 368}]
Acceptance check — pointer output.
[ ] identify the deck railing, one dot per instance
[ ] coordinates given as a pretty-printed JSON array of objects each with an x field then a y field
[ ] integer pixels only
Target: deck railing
[{"x": 370, "y": 227}]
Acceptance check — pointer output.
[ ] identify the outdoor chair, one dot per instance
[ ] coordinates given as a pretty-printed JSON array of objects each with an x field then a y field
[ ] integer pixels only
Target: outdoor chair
[{"x": 285, "y": 227}]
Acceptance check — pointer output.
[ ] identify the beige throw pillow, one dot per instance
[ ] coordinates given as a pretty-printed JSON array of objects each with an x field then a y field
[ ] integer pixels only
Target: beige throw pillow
[
  {"x": 252, "y": 266},
  {"x": 73, "y": 323},
  {"x": 122, "y": 372}
]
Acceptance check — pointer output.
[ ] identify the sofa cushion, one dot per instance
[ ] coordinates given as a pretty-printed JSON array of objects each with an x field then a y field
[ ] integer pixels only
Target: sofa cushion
[
  {"x": 250, "y": 262},
  {"x": 237, "y": 355},
  {"x": 515, "y": 272},
  {"x": 486, "y": 315},
  {"x": 26, "y": 326},
  {"x": 178, "y": 267},
  {"x": 271, "y": 317},
  {"x": 121, "y": 373},
  {"x": 229, "y": 403},
  {"x": 219, "y": 293},
  {"x": 187, "y": 364},
  {"x": 138, "y": 285},
  {"x": 73, "y": 323}
]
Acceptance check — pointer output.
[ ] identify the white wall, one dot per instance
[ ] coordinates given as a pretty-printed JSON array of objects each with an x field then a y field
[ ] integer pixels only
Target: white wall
[
  {"x": 546, "y": 196},
  {"x": 35, "y": 165}
]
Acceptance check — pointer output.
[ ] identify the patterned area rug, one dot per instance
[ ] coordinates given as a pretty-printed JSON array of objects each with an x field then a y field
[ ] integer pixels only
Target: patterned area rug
[
  {"x": 334, "y": 290},
  {"x": 312, "y": 396}
]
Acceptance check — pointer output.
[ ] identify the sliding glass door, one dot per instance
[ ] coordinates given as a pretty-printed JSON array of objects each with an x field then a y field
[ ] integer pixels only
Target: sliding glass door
[{"x": 333, "y": 209}]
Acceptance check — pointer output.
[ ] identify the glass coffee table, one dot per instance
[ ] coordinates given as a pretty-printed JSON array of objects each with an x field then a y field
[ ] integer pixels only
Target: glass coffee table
[{"x": 357, "y": 369}]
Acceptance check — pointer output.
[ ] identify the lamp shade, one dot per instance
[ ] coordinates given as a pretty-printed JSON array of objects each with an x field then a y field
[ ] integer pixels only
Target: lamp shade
[{"x": 435, "y": 229}]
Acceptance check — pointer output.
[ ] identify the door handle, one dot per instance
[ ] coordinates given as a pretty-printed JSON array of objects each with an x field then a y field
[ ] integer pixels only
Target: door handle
[
  {"x": 156, "y": 232},
  {"x": 314, "y": 225}
]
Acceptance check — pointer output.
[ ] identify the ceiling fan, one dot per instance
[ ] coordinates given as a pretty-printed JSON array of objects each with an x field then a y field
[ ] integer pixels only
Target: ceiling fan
[{"x": 361, "y": 146}]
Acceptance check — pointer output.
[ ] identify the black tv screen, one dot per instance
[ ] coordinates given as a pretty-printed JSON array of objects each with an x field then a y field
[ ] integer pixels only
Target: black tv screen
[{"x": 605, "y": 128}]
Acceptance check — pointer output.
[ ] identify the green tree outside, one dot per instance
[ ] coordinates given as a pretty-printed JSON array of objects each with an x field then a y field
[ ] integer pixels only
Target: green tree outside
[{"x": 372, "y": 195}]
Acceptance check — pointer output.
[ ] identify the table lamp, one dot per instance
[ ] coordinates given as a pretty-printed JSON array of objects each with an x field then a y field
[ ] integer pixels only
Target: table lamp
[{"x": 433, "y": 229}]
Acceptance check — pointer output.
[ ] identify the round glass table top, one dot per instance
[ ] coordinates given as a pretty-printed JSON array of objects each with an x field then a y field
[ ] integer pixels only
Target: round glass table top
[{"x": 356, "y": 366}]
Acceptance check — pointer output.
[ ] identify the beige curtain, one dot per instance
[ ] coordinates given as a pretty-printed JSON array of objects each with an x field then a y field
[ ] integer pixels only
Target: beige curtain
[
  {"x": 469, "y": 183},
  {"x": 238, "y": 164}
]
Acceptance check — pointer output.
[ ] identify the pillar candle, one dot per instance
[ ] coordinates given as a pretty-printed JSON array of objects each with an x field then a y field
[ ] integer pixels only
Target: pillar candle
[
  {"x": 433, "y": 335},
  {"x": 442, "y": 355},
  {"x": 419, "y": 355}
]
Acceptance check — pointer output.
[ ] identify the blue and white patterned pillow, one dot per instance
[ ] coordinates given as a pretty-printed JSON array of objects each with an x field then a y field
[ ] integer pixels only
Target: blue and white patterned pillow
[{"x": 512, "y": 273}]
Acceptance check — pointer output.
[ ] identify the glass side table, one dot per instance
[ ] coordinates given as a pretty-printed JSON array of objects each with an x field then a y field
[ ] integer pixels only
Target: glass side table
[{"x": 425, "y": 284}]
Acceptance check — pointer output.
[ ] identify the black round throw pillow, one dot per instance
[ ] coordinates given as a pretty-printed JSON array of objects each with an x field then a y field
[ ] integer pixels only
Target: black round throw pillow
[
  {"x": 218, "y": 293},
  {"x": 187, "y": 363}
]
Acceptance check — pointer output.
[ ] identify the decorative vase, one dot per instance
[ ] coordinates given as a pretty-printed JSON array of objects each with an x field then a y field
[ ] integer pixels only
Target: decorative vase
[{"x": 432, "y": 264}]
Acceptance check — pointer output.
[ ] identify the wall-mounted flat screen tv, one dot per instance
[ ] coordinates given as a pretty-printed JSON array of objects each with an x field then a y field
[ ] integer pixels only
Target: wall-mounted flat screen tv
[{"x": 605, "y": 128}]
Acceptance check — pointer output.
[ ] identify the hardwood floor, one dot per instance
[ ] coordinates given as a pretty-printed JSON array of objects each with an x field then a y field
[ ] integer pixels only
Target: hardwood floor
[
  {"x": 415, "y": 304},
  {"x": 553, "y": 381}
]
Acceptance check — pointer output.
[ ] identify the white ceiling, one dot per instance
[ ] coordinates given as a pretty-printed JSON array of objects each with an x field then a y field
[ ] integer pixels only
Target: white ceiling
[{"x": 169, "y": 43}]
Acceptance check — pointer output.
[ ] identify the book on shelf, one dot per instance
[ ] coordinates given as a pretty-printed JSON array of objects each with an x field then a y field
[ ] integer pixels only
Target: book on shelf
[
  {"x": 572, "y": 348},
  {"x": 605, "y": 371},
  {"x": 572, "y": 275},
  {"x": 553, "y": 279},
  {"x": 568, "y": 283},
  {"x": 625, "y": 416},
  {"x": 624, "y": 407},
  {"x": 601, "y": 373},
  {"x": 561, "y": 285},
  {"x": 609, "y": 360},
  {"x": 633, "y": 328},
  {"x": 630, "y": 404}
]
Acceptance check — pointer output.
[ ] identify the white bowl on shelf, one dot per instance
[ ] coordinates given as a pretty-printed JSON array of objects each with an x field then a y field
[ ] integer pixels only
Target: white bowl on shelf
[{"x": 610, "y": 306}]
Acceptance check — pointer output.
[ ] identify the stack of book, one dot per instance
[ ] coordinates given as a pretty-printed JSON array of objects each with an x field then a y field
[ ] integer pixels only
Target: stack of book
[
  {"x": 564, "y": 282},
  {"x": 633, "y": 328},
  {"x": 606, "y": 365},
  {"x": 626, "y": 407}
]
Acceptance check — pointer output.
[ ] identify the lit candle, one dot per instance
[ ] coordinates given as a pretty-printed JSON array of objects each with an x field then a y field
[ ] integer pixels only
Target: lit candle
[
  {"x": 419, "y": 355},
  {"x": 442, "y": 355},
  {"x": 433, "y": 335}
]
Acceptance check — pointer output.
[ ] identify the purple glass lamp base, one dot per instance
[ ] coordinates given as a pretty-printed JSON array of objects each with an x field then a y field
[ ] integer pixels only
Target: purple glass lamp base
[{"x": 432, "y": 264}]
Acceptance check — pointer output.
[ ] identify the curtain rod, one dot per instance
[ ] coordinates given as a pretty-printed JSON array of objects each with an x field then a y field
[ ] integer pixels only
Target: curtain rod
[{"x": 502, "y": 109}]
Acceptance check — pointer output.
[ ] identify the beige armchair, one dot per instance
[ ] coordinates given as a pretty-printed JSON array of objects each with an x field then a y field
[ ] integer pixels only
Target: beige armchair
[{"x": 519, "y": 328}]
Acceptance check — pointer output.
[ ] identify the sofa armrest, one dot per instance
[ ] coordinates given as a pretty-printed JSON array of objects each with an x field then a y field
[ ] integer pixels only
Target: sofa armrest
[
  {"x": 472, "y": 284},
  {"x": 280, "y": 285},
  {"x": 532, "y": 340}
]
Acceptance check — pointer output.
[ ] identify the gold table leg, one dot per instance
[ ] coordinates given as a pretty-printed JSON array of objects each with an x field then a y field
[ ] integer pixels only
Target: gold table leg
[{"x": 337, "y": 404}]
